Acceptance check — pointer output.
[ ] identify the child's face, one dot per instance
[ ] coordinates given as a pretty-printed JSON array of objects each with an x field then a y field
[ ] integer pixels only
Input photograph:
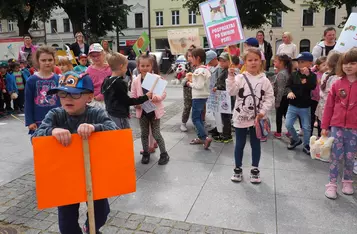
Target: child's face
[
  {"x": 17, "y": 68},
  {"x": 278, "y": 64},
  {"x": 322, "y": 67},
  {"x": 74, "y": 106},
  {"x": 253, "y": 63},
  {"x": 46, "y": 62},
  {"x": 83, "y": 61},
  {"x": 145, "y": 66},
  {"x": 97, "y": 58},
  {"x": 224, "y": 63},
  {"x": 64, "y": 68},
  {"x": 302, "y": 64},
  {"x": 196, "y": 61},
  {"x": 295, "y": 65},
  {"x": 22, "y": 66},
  {"x": 350, "y": 68},
  {"x": 3, "y": 70}
]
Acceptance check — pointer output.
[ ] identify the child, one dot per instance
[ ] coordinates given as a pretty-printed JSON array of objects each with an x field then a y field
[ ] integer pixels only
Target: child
[
  {"x": 98, "y": 71},
  {"x": 340, "y": 118},
  {"x": 299, "y": 87},
  {"x": 37, "y": 102},
  {"x": 328, "y": 78},
  {"x": 200, "y": 92},
  {"x": 11, "y": 88},
  {"x": 115, "y": 91},
  {"x": 24, "y": 69},
  {"x": 76, "y": 117},
  {"x": 283, "y": 67},
  {"x": 187, "y": 93},
  {"x": 64, "y": 64},
  {"x": 243, "y": 116},
  {"x": 151, "y": 119},
  {"x": 320, "y": 68},
  {"x": 20, "y": 85},
  {"x": 82, "y": 67},
  {"x": 3, "y": 67},
  {"x": 224, "y": 63}
]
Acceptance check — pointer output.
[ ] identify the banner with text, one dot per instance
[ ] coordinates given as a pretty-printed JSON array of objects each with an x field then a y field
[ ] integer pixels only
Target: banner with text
[
  {"x": 348, "y": 36},
  {"x": 222, "y": 23},
  {"x": 180, "y": 40}
]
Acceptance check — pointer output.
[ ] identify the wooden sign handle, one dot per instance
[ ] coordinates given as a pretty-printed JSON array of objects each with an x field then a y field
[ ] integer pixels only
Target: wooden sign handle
[
  {"x": 229, "y": 54},
  {"x": 154, "y": 85},
  {"x": 89, "y": 187}
]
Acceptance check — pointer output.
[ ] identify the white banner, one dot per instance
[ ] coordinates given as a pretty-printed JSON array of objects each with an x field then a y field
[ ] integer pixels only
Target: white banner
[{"x": 348, "y": 36}]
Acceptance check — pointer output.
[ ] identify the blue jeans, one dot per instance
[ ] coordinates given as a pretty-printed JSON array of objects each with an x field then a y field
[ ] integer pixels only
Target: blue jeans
[
  {"x": 198, "y": 106},
  {"x": 241, "y": 138},
  {"x": 305, "y": 116}
]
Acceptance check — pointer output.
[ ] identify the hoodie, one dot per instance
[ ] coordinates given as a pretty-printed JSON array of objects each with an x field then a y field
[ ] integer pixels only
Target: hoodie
[
  {"x": 243, "y": 113},
  {"x": 320, "y": 50}
]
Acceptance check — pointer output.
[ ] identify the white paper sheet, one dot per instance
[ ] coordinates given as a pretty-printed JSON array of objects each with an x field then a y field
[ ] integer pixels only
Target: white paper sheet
[
  {"x": 150, "y": 80},
  {"x": 148, "y": 106}
]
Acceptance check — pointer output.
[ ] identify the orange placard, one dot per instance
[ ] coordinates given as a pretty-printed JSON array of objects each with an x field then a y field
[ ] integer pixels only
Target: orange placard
[{"x": 60, "y": 174}]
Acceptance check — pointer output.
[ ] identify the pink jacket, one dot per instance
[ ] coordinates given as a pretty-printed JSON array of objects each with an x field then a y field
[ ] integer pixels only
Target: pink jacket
[
  {"x": 137, "y": 91},
  {"x": 98, "y": 77},
  {"x": 22, "y": 49},
  {"x": 341, "y": 106},
  {"x": 243, "y": 112}
]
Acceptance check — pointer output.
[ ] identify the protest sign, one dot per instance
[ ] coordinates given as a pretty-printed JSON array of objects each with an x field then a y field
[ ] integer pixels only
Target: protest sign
[
  {"x": 154, "y": 84},
  {"x": 141, "y": 44},
  {"x": 348, "y": 36},
  {"x": 148, "y": 106},
  {"x": 60, "y": 171},
  {"x": 222, "y": 23},
  {"x": 224, "y": 102},
  {"x": 180, "y": 40},
  {"x": 68, "y": 54}
]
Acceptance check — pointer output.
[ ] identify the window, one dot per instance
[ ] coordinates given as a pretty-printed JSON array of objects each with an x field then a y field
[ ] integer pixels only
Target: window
[
  {"x": 10, "y": 26},
  {"x": 304, "y": 45},
  {"x": 120, "y": 2},
  {"x": 307, "y": 17},
  {"x": 53, "y": 26},
  {"x": 66, "y": 25},
  {"x": 159, "y": 18},
  {"x": 0, "y": 26},
  {"x": 330, "y": 16},
  {"x": 175, "y": 17},
  {"x": 205, "y": 42},
  {"x": 192, "y": 17},
  {"x": 161, "y": 44},
  {"x": 138, "y": 20},
  {"x": 276, "y": 19}
]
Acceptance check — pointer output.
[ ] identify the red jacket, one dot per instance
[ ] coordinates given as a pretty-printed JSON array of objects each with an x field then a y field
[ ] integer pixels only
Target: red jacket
[
  {"x": 341, "y": 105},
  {"x": 2, "y": 83}
]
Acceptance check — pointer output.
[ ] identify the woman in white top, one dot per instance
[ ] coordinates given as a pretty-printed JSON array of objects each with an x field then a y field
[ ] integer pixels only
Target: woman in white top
[{"x": 288, "y": 47}]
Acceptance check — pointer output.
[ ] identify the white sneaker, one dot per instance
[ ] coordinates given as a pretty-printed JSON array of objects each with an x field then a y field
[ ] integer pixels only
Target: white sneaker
[
  {"x": 183, "y": 127},
  {"x": 355, "y": 167},
  {"x": 238, "y": 175}
]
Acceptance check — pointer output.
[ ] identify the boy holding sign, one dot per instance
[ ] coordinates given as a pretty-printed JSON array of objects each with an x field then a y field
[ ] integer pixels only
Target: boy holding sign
[{"x": 75, "y": 116}]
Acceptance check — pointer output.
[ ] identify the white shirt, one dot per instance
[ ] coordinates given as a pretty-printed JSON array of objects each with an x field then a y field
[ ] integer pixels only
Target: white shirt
[
  {"x": 288, "y": 49},
  {"x": 261, "y": 47}
]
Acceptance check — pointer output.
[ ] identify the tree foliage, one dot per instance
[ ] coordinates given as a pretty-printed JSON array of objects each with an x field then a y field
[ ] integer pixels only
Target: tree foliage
[{"x": 253, "y": 13}]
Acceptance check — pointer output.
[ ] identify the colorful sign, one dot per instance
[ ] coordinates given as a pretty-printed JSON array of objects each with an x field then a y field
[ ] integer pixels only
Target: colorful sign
[
  {"x": 220, "y": 102},
  {"x": 60, "y": 173},
  {"x": 141, "y": 44},
  {"x": 180, "y": 40},
  {"x": 348, "y": 36},
  {"x": 222, "y": 23}
]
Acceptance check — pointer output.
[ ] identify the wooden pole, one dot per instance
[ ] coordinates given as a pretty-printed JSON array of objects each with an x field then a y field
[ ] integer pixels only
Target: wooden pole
[
  {"x": 229, "y": 55},
  {"x": 154, "y": 85},
  {"x": 89, "y": 187}
]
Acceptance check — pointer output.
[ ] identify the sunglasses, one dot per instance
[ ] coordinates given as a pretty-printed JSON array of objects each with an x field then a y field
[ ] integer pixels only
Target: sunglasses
[{"x": 63, "y": 94}]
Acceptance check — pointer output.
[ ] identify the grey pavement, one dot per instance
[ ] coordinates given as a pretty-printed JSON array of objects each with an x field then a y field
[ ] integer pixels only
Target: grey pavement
[{"x": 193, "y": 192}]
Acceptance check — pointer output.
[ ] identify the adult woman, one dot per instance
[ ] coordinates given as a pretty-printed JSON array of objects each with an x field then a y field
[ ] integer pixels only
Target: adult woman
[
  {"x": 265, "y": 47},
  {"x": 106, "y": 48},
  {"x": 79, "y": 47},
  {"x": 288, "y": 47},
  {"x": 324, "y": 47},
  {"x": 27, "y": 50}
]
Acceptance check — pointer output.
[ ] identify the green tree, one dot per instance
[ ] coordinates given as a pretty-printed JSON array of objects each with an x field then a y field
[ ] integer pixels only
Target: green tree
[
  {"x": 253, "y": 13},
  {"x": 25, "y": 11}
]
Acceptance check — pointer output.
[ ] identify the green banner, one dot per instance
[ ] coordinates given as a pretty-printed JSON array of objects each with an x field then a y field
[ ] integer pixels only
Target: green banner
[{"x": 141, "y": 44}]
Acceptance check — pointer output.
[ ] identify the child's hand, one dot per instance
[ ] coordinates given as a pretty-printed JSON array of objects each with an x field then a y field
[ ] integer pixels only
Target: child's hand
[
  {"x": 305, "y": 71},
  {"x": 303, "y": 81},
  {"x": 260, "y": 116},
  {"x": 214, "y": 89},
  {"x": 85, "y": 130},
  {"x": 324, "y": 133},
  {"x": 138, "y": 107},
  {"x": 32, "y": 127},
  {"x": 291, "y": 95},
  {"x": 149, "y": 94},
  {"x": 4, "y": 91},
  {"x": 155, "y": 99},
  {"x": 231, "y": 71},
  {"x": 188, "y": 84},
  {"x": 63, "y": 136}
]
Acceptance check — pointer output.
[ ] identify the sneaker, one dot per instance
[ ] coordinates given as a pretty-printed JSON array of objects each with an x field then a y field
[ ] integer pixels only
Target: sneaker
[
  {"x": 293, "y": 144},
  {"x": 306, "y": 149},
  {"x": 183, "y": 127},
  {"x": 331, "y": 190},
  {"x": 263, "y": 139},
  {"x": 207, "y": 143},
  {"x": 355, "y": 167},
  {"x": 347, "y": 187},
  {"x": 277, "y": 135},
  {"x": 238, "y": 175},
  {"x": 227, "y": 140},
  {"x": 255, "y": 176},
  {"x": 213, "y": 131},
  {"x": 151, "y": 150},
  {"x": 164, "y": 158},
  {"x": 287, "y": 134},
  {"x": 217, "y": 139},
  {"x": 207, "y": 125},
  {"x": 301, "y": 132},
  {"x": 146, "y": 158}
]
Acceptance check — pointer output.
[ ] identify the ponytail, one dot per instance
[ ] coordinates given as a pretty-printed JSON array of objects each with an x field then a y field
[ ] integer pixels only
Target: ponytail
[
  {"x": 332, "y": 60},
  {"x": 286, "y": 61}
]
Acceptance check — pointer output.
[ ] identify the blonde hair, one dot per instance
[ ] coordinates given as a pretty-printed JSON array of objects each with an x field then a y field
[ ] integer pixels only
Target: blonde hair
[
  {"x": 64, "y": 61},
  {"x": 289, "y": 35},
  {"x": 256, "y": 51},
  {"x": 115, "y": 60}
]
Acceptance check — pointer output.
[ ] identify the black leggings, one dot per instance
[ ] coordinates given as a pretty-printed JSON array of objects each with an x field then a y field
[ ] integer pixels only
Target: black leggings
[
  {"x": 281, "y": 112},
  {"x": 314, "y": 118}
]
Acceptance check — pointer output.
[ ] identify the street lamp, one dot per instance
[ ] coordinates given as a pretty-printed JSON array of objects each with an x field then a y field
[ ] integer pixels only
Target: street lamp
[{"x": 271, "y": 34}]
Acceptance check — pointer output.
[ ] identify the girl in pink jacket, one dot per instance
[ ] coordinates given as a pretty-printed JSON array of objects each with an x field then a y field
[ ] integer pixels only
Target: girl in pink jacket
[
  {"x": 244, "y": 114},
  {"x": 152, "y": 119},
  {"x": 340, "y": 117}
]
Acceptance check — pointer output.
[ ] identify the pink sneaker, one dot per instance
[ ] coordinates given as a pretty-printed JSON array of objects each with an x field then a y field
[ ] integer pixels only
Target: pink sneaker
[
  {"x": 287, "y": 134},
  {"x": 347, "y": 187},
  {"x": 277, "y": 135},
  {"x": 264, "y": 139},
  {"x": 331, "y": 190}
]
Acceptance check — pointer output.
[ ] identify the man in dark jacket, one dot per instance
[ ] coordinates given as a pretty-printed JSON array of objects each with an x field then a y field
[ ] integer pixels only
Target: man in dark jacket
[{"x": 265, "y": 47}]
